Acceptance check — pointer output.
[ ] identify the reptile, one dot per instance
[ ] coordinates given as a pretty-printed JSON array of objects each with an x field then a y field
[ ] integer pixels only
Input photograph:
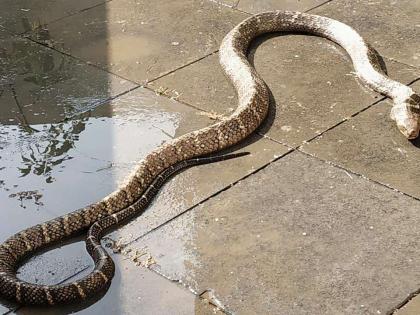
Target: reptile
[{"x": 193, "y": 148}]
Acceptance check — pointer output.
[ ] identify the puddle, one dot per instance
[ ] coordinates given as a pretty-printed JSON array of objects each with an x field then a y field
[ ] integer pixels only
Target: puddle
[{"x": 50, "y": 169}]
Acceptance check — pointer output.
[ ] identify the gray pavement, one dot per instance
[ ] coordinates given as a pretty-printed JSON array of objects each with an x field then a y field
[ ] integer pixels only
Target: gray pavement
[{"x": 322, "y": 216}]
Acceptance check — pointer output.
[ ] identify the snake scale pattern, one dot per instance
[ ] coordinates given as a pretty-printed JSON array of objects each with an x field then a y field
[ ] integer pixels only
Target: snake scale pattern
[{"x": 134, "y": 195}]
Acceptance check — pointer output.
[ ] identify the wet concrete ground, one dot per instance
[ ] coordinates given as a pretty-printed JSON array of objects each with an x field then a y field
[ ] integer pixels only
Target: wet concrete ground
[{"x": 321, "y": 218}]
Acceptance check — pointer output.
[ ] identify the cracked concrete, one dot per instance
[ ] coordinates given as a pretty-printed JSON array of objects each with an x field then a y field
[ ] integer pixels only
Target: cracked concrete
[{"x": 321, "y": 218}]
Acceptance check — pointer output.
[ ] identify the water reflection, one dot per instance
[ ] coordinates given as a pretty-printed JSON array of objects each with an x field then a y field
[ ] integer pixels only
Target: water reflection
[
  {"x": 27, "y": 72},
  {"x": 50, "y": 148},
  {"x": 38, "y": 151},
  {"x": 32, "y": 63}
]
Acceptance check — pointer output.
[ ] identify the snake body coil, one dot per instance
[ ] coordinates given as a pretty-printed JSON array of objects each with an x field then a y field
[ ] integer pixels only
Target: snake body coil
[{"x": 141, "y": 185}]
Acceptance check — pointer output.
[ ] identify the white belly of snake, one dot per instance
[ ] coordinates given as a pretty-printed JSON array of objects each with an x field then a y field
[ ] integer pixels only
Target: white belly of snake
[{"x": 133, "y": 196}]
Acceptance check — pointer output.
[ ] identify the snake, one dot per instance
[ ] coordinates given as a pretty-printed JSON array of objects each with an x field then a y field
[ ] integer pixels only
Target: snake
[{"x": 194, "y": 148}]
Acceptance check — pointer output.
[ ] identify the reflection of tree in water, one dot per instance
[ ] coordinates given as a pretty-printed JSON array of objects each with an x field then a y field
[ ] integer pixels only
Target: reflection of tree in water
[
  {"x": 36, "y": 64},
  {"x": 43, "y": 149},
  {"x": 51, "y": 148}
]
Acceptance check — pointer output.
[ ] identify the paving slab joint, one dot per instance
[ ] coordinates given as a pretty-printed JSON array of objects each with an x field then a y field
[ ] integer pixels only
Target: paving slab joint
[
  {"x": 235, "y": 5},
  {"x": 319, "y": 5},
  {"x": 150, "y": 88},
  {"x": 404, "y": 302},
  {"x": 88, "y": 63},
  {"x": 181, "y": 67},
  {"x": 100, "y": 103},
  {"x": 400, "y": 62},
  {"x": 265, "y": 136},
  {"x": 350, "y": 172},
  {"x": 209, "y": 296}
]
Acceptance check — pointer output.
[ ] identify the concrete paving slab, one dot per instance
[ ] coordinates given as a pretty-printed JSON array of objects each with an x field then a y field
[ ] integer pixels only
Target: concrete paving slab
[
  {"x": 21, "y": 16},
  {"x": 141, "y": 40},
  {"x": 311, "y": 91},
  {"x": 370, "y": 144},
  {"x": 271, "y": 5},
  {"x": 299, "y": 237},
  {"x": 134, "y": 290},
  {"x": 39, "y": 85},
  {"x": 392, "y": 27}
]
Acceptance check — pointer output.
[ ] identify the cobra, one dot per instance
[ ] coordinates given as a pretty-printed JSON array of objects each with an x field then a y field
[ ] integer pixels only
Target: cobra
[{"x": 140, "y": 187}]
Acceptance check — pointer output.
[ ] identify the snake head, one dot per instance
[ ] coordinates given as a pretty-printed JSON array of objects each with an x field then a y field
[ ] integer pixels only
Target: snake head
[{"x": 407, "y": 116}]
